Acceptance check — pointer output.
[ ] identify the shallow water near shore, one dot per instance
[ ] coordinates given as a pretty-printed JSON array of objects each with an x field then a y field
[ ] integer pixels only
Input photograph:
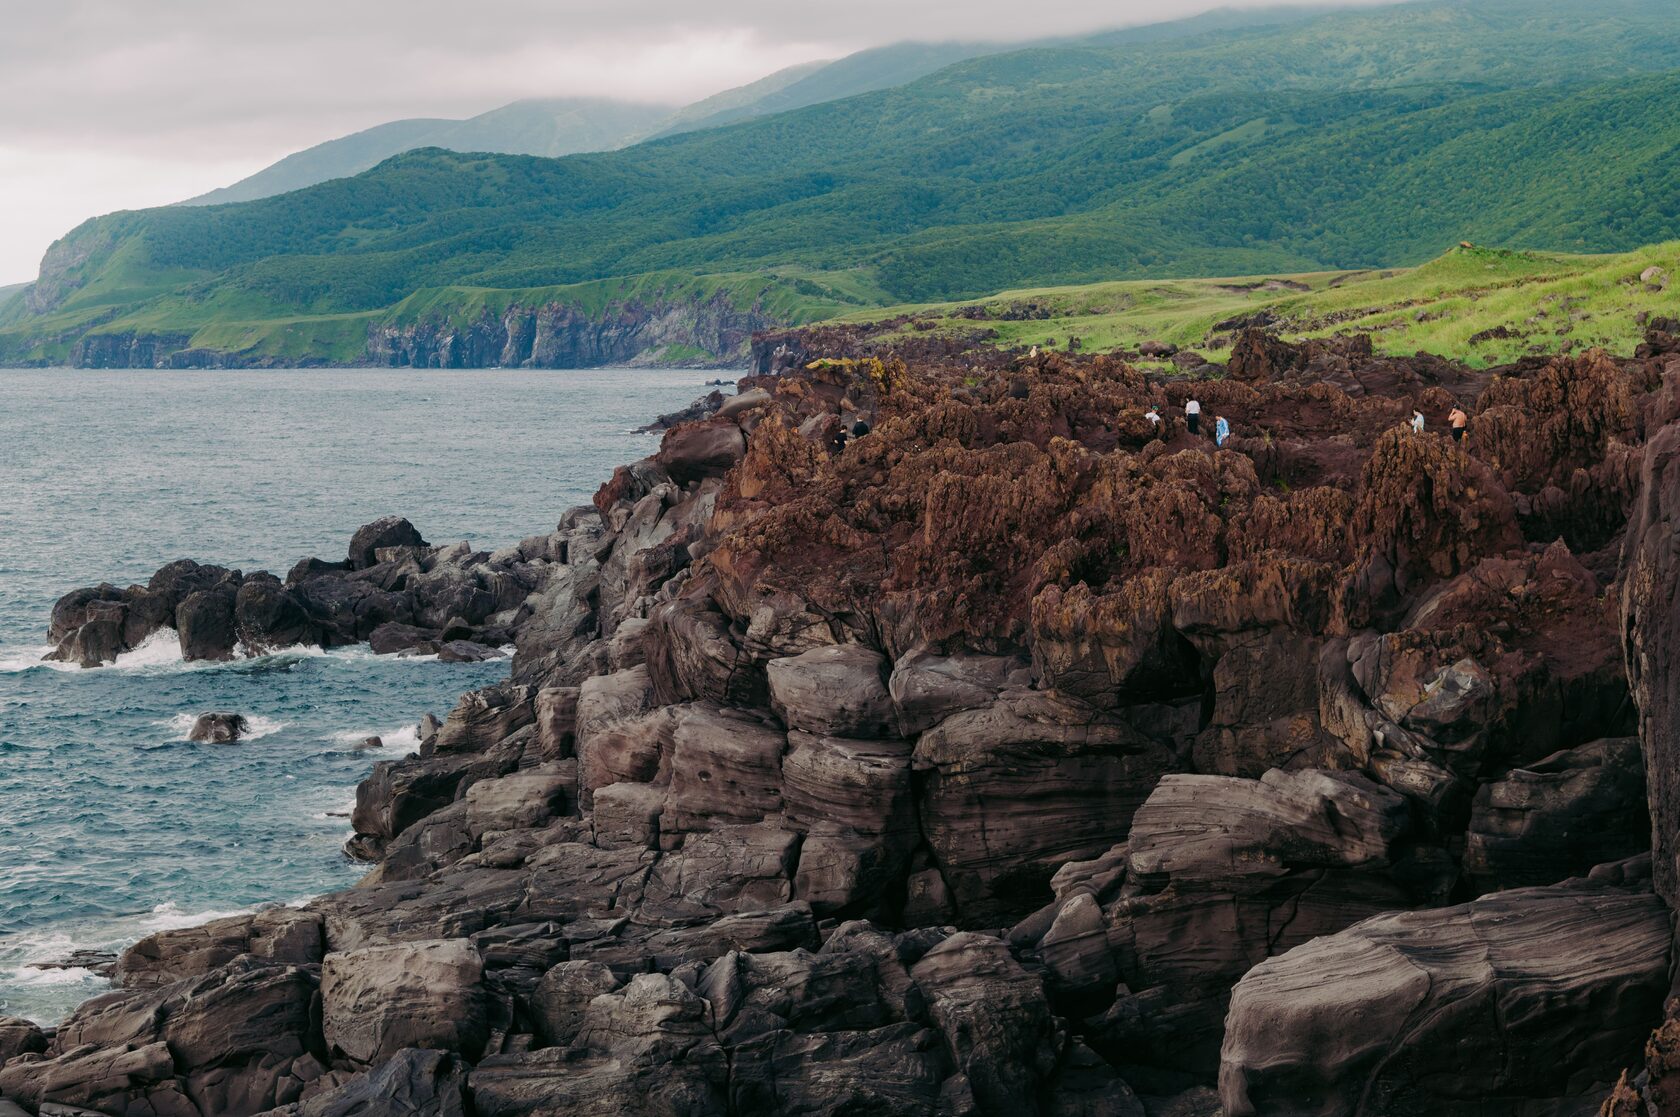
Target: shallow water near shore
[{"x": 112, "y": 825}]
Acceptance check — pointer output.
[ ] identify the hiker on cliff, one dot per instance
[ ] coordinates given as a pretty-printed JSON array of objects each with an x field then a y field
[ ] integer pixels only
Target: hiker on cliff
[
  {"x": 1193, "y": 416},
  {"x": 1417, "y": 421},
  {"x": 1153, "y": 416},
  {"x": 1457, "y": 422},
  {"x": 1221, "y": 431}
]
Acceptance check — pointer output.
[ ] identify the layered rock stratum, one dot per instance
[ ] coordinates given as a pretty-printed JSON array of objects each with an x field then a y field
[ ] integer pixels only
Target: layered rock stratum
[{"x": 1019, "y": 756}]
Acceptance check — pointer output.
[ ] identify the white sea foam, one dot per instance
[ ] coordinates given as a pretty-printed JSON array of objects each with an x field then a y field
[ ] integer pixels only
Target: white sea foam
[
  {"x": 32, "y": 975},
  {"x": 168, "y": 916},
  {"x": 18, "y": 659},
  {"x": 405, "y": 738},
  {"x": 161, "y": 649}
]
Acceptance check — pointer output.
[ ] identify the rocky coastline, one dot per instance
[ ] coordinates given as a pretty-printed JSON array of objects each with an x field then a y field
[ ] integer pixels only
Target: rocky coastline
[
  {"x": 1020, "y": 756},
  {"x": 658, "y": 332}
]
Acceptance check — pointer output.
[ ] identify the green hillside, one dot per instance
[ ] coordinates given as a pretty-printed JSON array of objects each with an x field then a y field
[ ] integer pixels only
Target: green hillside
[
  {"x": 1487, "y": 306},
  {"x": 1355, "y": 139}
]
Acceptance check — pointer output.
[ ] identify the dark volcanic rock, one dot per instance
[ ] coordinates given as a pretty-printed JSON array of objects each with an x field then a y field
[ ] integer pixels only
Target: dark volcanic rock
[
  {"x": 1558, "y": 818},
  {"x": 378, "y": 1000},
  {"x": 19, "y": 1037},
  {"x": 415, "y": 1083},
  {"x": 206, "y": 624},
  {"x": 268, "y": 616},
  {"x": 218, "y": 728},
  {"x": 1220, "y": 732},
  {"x": 388, "y": 531}
]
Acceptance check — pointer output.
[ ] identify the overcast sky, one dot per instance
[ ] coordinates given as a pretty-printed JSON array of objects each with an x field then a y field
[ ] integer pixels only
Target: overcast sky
[{"x": 120, "y": 104}]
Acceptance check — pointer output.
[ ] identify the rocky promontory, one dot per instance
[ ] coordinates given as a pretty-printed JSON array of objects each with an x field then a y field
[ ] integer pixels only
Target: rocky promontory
[{"x": 1022, "y": 755}]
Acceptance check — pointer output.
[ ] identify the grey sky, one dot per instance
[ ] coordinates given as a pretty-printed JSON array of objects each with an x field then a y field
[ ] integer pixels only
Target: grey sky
[{"x": 116, "y": 104}]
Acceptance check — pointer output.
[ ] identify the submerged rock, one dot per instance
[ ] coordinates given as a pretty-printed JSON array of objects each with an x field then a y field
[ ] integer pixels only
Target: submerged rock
[{"x": 218, "y": 728}]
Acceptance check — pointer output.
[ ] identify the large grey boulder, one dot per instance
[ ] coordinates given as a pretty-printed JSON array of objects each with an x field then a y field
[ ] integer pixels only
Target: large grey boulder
[
  {"x": 1220, "y": 828},
  {"x": 484, "y": 718},
  {"x": 1012, "y": 791},
  {"x": 726, "y": 767},
  {"x": 235, "y": 1040},
  {"x": 106, "y": 1078},
  {"x": 414, "y": 1083},
  {"x": 377, "y": 1000},
  {"x": 837, "y": 691},
  {"x": 206, "y": 624},
  {"x": 387, "y": 531},
  {"x": 621, "y": 731},
  {"x": 1520, "y": 1003},
  {"x": 18, "y": 1037},
  {"x": 274, "y": 935},
  {"x": 926, "y": 688},
  {"x": 752, "y": 994},
  {"x": 563, "y": 995},
  {"x": 853, "y": 800},
  {"x": 1558, "y": 818},
  {"x": 522, "y": 800},
  {"x": 894, "y": 1071},
  {"x": 1219, "y": 874},
  {"x": 998, "y": 1027}
]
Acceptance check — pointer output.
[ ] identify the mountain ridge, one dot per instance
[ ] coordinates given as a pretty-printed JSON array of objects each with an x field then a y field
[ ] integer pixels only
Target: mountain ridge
[{"x": 1333, "y": 142}]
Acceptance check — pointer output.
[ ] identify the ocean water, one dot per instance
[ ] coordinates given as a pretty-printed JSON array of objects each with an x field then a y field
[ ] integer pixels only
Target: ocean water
[{"x": 112, "y": 825}]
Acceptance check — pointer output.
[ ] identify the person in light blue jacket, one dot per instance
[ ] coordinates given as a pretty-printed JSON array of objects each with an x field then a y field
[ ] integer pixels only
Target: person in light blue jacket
[{"x": 1221, "y": 431}]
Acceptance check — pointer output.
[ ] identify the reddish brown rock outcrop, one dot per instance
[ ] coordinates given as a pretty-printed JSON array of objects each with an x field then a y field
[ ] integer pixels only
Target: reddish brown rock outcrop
[{"x": 1188, "y": 718}]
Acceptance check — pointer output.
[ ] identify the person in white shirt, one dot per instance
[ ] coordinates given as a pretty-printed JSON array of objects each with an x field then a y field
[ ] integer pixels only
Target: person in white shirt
[
  {"x": 1153, "y": 416},
  {"x": 1417, "y": 422},
  {"x": 1193, "y": 416}
]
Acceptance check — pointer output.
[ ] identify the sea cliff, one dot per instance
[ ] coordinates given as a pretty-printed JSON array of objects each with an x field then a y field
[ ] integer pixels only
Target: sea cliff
[
  {"x": 678, "y": 331},
  {"x": 1016, "y": 754}
]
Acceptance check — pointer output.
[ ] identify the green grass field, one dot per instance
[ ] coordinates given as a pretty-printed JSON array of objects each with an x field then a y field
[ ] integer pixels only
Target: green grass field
[{"x": 1485, "y": 306}]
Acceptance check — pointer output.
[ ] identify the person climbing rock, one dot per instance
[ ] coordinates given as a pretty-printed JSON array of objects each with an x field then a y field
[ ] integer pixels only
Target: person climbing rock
[
  {"x": 1193, "y": 416},
  {"x": 1458, "y": 422},
  {"x": 1221, "y": 431},
  {"x": 1153, "y": 416},
  {"x": 859, "y": 429},
  {"x": 1417, "y": 421}
]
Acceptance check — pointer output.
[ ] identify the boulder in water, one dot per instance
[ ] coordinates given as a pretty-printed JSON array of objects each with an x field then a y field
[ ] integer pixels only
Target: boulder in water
[
  {"x": 387, "y": 531},
  {"x": 219, "y": 728}
]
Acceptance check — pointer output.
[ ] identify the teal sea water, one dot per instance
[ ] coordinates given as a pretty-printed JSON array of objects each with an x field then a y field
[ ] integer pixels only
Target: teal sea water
[{"x": 112, "y": 825}]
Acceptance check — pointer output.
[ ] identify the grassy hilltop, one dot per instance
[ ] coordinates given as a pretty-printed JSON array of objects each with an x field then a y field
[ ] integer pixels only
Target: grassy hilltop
[
  {"x": 1487, "y": 306},
  {"x": 1352, "y": 139}
]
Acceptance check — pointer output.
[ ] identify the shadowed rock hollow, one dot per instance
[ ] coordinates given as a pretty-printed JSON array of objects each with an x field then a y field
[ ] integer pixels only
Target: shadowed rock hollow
[{"x": 1017, "y": 757}]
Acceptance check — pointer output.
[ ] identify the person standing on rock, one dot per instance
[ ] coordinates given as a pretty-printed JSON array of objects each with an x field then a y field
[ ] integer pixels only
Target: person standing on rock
[
  {"x": 1221, "y": 431},
  {"x": 1193, "y": 415},
  {"x": 1458, "y": 422},
  {"x": 1417, "y": 421}
]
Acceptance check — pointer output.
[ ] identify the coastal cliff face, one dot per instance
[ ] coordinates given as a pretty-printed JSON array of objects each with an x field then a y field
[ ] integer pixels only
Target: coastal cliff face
[
  {"x": 686, "y": 331},
  {"x": 690, "y": 332},
  {"x": 1020, "y": 756}
]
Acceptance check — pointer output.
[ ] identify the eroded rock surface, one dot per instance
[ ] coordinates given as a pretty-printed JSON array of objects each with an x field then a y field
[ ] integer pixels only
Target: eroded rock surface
[{"x": 1015, "y": 758}]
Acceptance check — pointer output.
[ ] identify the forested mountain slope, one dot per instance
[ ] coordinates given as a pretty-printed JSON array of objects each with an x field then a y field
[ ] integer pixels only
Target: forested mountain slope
[{"x": 1374, "y": 137}]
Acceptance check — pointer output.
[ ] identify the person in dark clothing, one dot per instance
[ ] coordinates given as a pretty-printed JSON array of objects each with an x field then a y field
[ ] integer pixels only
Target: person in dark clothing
[
  {"x": 1193, "y": 416},
  {"x": 859, "y": 429}
]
